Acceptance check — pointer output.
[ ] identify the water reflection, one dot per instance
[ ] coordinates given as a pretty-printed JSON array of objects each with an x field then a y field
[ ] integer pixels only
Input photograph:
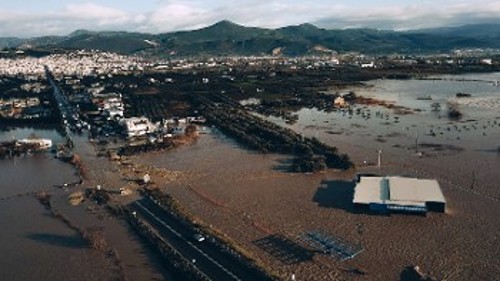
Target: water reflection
[{"x": 31, "y": 173}]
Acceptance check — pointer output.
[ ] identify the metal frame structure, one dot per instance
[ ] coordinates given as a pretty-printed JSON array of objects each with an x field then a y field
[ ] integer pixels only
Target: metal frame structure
[{"x": 334, "y": 246}]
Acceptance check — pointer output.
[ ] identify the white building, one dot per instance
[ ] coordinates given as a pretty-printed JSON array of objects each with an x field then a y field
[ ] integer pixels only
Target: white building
[
  {"x": 138, "y": 126},
  {"x": 399, "y": 194},
  {"x": 487, "y": 61},
  {"x": 41, "y": 143},
  {"x": 115, "y": 112},
  {"x": 368, "y": 65},
  {"x": 339, "y": 102}
]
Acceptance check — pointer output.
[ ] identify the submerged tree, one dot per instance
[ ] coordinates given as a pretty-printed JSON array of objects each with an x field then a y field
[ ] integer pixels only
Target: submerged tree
[
  {"x": 309, "y": 164},
  {"x": 453, "y": 111},
  {"x": 436, "y": 106},
  {"x": 95, "y": 238}
]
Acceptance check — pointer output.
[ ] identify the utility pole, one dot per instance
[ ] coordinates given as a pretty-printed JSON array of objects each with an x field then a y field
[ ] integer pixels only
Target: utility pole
[
  {"x": 416, "y": 142},
  {"x": 473, "y": 180},
  {"x": 360, "y": 227}
]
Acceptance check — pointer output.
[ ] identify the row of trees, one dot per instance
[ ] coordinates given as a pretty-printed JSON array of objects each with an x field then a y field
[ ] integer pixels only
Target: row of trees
[
  {"x": 265, "y": 136},
  {"x": 143, "y": 148}
]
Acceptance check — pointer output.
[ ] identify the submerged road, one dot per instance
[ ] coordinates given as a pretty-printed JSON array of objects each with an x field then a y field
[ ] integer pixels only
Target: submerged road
[
  {"x": 69, "y": 114},
  {"x": 208, "y": 257}
]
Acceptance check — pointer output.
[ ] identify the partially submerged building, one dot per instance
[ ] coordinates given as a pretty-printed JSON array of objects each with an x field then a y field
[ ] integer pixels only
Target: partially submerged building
[
  {"x": 398, "y": 194},
  {"x": 38, "y": 142},
  {"x": 138, "y": 126}
]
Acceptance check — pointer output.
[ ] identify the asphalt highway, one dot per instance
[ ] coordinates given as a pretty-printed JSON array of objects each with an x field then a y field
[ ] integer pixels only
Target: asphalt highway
[{"x": 209, "y": 257}]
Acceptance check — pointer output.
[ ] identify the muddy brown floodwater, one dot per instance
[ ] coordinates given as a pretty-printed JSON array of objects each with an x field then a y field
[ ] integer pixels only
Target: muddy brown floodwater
[
  {"x": 250, "y": 196},
  {"x": 35, "y": 245}
]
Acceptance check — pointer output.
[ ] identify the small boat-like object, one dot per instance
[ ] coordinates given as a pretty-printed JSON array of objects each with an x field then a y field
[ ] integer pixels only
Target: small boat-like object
[
  {"x": 38, "y": 142},
  {"x": 426, "y": 97}
]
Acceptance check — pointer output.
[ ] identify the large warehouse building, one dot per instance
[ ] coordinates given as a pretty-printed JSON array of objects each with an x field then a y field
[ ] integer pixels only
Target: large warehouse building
[{"x": 399, "y": 194}]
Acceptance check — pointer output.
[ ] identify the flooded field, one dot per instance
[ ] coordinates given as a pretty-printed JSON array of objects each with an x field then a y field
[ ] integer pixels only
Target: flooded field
[
  {"x": 34, "y": 172},
  {"x": 420, "y": 94},
  {"x": 252, "y": 198},
  {"x": 34, "y": 244},
  {"x": 21, "y": 133},
  {"x": 27, "y": 174}
]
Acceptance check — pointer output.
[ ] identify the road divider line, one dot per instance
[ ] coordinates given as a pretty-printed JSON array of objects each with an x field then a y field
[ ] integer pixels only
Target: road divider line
[{"x": 188, "y": 242}]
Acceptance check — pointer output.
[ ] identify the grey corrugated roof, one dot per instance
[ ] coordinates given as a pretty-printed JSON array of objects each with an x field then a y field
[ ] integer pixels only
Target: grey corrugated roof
[
  {"x": 411, "y": 189},
  {"x": 367, "y": 190},
  {"x": 397, "y": 190}
]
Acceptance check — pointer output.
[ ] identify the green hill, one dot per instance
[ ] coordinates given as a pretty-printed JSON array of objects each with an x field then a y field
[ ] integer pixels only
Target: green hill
[{"x": 228, "y": 38}]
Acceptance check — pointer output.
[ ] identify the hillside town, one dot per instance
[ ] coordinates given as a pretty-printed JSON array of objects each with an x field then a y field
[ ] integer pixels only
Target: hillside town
[{"x": 96, "y": 63}]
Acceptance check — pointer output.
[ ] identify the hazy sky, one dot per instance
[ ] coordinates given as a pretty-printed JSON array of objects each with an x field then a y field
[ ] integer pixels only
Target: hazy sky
[{"x": 25, "y": 18}]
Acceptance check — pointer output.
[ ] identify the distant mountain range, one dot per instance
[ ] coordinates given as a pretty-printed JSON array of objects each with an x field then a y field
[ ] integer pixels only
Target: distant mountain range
[{"x": 227, "y": 38}]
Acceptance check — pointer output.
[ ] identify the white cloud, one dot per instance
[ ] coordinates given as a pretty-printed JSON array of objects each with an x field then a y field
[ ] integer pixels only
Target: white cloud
[
  {"x": 89, "y": 15},
  {"x": 176, "y": 16},
  {"x": 70, "y": 18},
  {"x": 90, "y": 11},
  {"x": 170, "y": 15},
  {"x": 274, "y": 13},
  {"x": 414, "y": 16}
]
